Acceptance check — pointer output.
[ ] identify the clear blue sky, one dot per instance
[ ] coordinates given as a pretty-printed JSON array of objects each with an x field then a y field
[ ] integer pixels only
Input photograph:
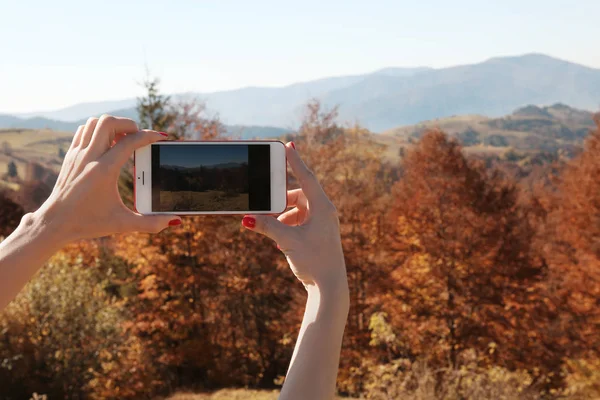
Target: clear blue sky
[
  {"x": 57, "y": 53},
  {"x": 191, "y": 156}
]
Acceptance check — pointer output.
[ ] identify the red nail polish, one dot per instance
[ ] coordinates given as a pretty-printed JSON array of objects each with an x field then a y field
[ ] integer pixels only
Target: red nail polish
[
  {"x": 164, "y": 133},
  {"x": 249, "y": 222},
  {"x": 174, "y": 222},
  {"x": 293, "y": 145}
]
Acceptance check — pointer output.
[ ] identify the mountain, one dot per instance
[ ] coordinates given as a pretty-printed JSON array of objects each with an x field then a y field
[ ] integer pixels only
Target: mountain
[
  {"x": 281, "y": 105},
  {"x": 493, "y": 88},
  {"x": 11, "y": 121},
  {"x": 395, "y": 71},
  {"x": 391, "y": 97},
  {"x": 174, "y": 167},
  {"x": 82, "y": 111},
  {"x": 227, "y": 165},
  {"x": 530, "y": 128},
  {"x": 275, "y": 99},
  {"x": 234, "y": 131}
]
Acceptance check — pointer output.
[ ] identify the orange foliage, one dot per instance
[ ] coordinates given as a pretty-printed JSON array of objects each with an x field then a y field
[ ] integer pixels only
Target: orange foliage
[
  {"x": 466, "y": 276},
  {"x": 449, "y": 263},
  {"x": 569, "y": 239}
]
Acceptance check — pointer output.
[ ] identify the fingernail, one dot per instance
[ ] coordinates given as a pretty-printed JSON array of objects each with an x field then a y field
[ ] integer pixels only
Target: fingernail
[
  {"x": 278, "y": 248},
  {"x": 293, "y": 145},
  {"x": 174, "y": 222},
  {"x": 164, "y": 134},
  {"x": 249, "y": 222}
]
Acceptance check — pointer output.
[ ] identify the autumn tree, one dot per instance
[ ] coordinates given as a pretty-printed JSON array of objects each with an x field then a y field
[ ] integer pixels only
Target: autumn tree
[
  {"x": 192, "y": 122},
  {"x": 570, "y": 242},
  {"x": 465, "y": 278},
  {"x": 154, "y": 108}
]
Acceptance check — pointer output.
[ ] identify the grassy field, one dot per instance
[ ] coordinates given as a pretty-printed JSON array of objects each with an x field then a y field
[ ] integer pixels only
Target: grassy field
[
  {"x": 209, "y": 200},
  {"x": 26, "y": 145},
  {"x": 230, "y": 394}
]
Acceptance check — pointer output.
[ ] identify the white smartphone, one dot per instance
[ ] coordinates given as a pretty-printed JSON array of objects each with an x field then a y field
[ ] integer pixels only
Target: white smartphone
[{"x": 198, "y": 178}]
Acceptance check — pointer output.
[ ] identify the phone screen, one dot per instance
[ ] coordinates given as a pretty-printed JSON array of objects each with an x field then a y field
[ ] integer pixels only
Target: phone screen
[{"x": 211, "y": 177}]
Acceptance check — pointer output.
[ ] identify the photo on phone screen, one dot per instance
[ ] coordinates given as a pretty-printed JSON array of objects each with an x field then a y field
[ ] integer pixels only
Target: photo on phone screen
[{"x": 199, "y": 177}]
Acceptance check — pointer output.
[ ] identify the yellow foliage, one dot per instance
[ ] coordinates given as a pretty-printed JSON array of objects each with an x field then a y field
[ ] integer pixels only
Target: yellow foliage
[{"x": 583, "y": 379}]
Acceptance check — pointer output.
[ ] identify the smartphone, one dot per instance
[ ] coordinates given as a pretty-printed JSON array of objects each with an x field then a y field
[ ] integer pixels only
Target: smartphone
[{"x": 197, "y": 178}]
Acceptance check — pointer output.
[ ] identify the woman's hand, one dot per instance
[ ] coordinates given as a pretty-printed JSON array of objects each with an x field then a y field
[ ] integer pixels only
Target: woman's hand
[
  {"x": 85, "y": 202},
  {"x": 309, "y": 235}
]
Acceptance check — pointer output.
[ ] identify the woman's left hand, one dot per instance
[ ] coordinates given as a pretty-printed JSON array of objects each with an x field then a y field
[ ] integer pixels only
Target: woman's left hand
[{"x": 85, "y": 202}]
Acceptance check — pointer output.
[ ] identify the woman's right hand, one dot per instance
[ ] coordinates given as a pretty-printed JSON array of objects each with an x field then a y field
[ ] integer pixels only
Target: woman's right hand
[{"x": 308, "y": 233}]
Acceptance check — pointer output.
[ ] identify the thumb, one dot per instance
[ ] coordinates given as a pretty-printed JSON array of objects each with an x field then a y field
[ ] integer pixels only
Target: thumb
[
  {"x": 269, "y": 226},
  {"x": 151, "y": 223},
  {"x": 118, "y": 155}
]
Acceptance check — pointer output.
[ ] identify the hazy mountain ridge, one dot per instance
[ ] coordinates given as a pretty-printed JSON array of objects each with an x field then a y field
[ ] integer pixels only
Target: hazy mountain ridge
[
  {"x": 234, "y": 131},
  {"x": 391, "y": 97}
]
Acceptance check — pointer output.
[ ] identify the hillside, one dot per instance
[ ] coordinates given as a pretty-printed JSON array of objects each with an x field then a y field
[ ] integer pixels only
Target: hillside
[
  {"x": 530, "y": 128},
  {"x": 391, "y": 97},
  {"x": 26, "y": 146}
]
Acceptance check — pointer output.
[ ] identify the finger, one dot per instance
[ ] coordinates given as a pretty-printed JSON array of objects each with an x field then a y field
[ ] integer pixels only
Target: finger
[
  {"x": 293, "y": 217},
  {"x": 68, "y": 160},
  {"x": 149, "y": 223},
  {"x": 77, "y": 137},
  {"x": 106, "y": 130},
  {"x": 88, "y": 131},
  {"x": 296, "y": 198},
  {"x": 269, "y": 226},
  {"x": 118, "y": 137},
  {"x": 308, "y": 182},
  {"x": 118, "y": 155}
]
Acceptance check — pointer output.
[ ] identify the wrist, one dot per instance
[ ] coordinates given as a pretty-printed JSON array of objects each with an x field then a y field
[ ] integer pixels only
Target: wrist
[
  {"x": 40, "y": 226},
  {"x": 332, "y": 293},
  {"x": 333, "y": 284}
]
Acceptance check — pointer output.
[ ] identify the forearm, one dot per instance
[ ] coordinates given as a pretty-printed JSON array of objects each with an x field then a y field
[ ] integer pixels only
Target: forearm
[
  {"x": 24, "y": 252},
  {"x": 313, "y": 370}
]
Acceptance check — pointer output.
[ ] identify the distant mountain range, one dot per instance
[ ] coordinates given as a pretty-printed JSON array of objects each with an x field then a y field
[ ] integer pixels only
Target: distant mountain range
[
  {"x": 236, "y": 131},
  {"x": 384, "y": 99}
]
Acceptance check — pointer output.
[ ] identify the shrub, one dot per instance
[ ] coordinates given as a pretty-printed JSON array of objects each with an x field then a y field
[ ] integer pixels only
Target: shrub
[
  {"x": 416, "y": 380},
  {"x": 583, "y": 379},
  {"x": 53, "y": 335}
]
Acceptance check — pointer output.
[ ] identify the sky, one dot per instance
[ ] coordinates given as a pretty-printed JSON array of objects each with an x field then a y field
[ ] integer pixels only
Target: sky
[
  {"x": 58, "y": 53},
  {"x": 194, "y": 156}
]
